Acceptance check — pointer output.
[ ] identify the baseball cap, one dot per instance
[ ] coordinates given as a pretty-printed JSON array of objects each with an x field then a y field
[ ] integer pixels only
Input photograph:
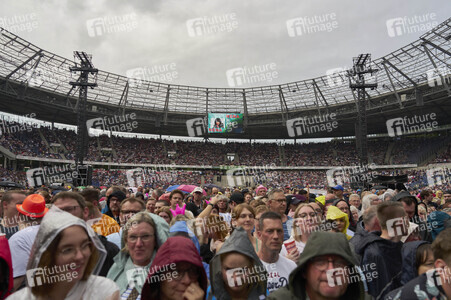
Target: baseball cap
[
  {"x": 198, "y": 190},
  {"x": 296, "y": 199},
  {"x": 338, "y": 187}
]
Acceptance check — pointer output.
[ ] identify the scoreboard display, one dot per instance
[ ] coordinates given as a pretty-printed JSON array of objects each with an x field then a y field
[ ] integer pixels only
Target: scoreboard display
[{"x": 225, "y": 123}]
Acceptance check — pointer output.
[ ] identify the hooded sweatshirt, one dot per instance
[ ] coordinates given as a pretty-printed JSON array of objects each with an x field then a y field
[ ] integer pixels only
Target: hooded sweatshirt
[
  {"x": 176, "y": 249},
  {"x": 409, "y": 271},
  {"x": 352, "y": 222},
  {"x": 384, "y": 255},
  {"x": 53, "y": 223},
  {"x": 123, "y": 267},
  {"x": 238, "y": 242},
  {"x": 121, "y": 196},
  {"x": 334, "y": 213},
  {"x": 436, "y": 220},
  {"x": 319, "y": 244},
  {"x": 6, "y": 265}
]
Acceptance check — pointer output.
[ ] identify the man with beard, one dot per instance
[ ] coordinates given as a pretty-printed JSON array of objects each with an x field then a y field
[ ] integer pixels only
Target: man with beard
[{"x": 114, "y": 205}]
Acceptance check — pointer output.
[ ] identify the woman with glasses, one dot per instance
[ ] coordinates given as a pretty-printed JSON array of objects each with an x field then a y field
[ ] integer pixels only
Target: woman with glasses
[
  {"x": 142, "y": 235},
  {"x": 306, "y": 221},
  {"x": 66, "y": 256},
  {"x": 176, "y": 272}
]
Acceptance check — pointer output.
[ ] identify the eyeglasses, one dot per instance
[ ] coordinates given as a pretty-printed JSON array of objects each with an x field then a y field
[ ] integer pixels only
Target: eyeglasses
[
  {"x": 144, "y": 238},
  {"x": 69, "y": 209},
  {"x": 126, "y": 212},
  {"x": 72, "y": 251},
  {"x": 321, "y": 263},
  {"x": 193, "y": 274}
]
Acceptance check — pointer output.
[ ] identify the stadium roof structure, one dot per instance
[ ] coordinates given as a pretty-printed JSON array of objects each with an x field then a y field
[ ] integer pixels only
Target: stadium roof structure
[{"x": 414, "y": 79}]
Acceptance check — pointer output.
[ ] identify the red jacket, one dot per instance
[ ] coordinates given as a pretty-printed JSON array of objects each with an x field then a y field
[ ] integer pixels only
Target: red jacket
[
  {"x": 175, "y": 249},
  {"x": 6, "y": 287}
]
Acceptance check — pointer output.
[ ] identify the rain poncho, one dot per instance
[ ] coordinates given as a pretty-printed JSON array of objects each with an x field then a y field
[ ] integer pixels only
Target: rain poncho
[
  {"x": 334, "y": 213},
  {"x": 123, "y": 269},
  {"x": 319, "y": 244},
  {"x": 238, "y": 242},
  {"x": 54, "y": 222}
]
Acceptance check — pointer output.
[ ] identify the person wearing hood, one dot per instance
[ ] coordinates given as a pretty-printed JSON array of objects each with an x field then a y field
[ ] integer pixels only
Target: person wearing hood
[
  {"x": 75, "y": 204},
  {"x": 383, "y": 249},
  {"x": 344, "y": 207},
  {"x": 6, "y": 269},
  {"x": 181, "y": 228},
  {"x": 236, "y": 271},
  {"x": 65, "y": 258},
  {"x": 436, "y": 220},
  {"x": 434, "y": 283},
  {"x": 312, "y": 277},
  {"x": 113, "y": 205},
  {"x": 417, "y": 258},
  {"x": 340, "y": 220},
  {"x": 369, "y": 224},
  {"x": 176, "y": 272},
  {"x": 141, "y": 238}
]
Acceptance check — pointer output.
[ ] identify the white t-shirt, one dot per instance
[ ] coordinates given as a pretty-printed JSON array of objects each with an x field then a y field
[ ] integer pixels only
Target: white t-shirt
[
  {"x": 299, "y": 245},
  {"x": 20, "y": 244},
  {"x": 95, "y": 287},
  {"x": 227, "y": 217},
  {"x": 278, "y": 273}
]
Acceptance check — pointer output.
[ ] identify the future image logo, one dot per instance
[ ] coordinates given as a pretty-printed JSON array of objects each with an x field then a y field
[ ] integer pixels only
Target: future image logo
[
  {"x": 312, "y": 24},
  {"x": 196, "y": 127},
  {"x": 413, "y": 24},
  {"x": 410, "y": 125},
  {"x": 117, "y": 123},
  {"x": 157, "y": 73},
  {"x": 250, "y": 75},
  {"x": 43, "y": 176},
  {"x": 111, "y": 24},
  {"x": 209, "y": 25},
  {"x": 397, "y": 227},
  {"x": 135, "y": 177},
  {"x": 311, "y": 124},
  {"x": 438, "y": 176}
]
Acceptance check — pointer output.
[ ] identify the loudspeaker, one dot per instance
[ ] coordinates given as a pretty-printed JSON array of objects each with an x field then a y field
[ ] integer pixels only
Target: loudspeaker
[{"x": 84, "y": 175}]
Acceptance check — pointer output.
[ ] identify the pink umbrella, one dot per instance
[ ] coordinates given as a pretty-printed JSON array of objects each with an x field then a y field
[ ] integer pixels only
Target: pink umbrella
[{"x": 189, "y": 188}]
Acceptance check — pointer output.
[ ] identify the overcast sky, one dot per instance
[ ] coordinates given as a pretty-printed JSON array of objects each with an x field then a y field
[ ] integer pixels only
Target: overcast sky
[{"x": 166, "y": 39}]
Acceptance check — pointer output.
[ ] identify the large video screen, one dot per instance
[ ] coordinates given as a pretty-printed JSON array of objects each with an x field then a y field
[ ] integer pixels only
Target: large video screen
[{"x": 225, "y": 123}]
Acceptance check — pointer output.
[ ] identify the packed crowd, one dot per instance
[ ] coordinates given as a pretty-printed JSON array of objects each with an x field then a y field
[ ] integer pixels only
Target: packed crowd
[
  {"x": 253, "y": 243},
  {"x": 165, "y": 176},
  {"x": 130, "y": 150}
]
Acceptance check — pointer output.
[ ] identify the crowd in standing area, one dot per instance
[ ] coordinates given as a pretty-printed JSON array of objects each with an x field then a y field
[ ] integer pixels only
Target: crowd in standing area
[{"x": 225, "y": 243}]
